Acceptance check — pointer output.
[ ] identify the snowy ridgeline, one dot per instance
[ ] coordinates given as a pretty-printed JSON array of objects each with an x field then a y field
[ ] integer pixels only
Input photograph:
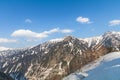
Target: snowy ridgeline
[{"x": 105, "y": 68}]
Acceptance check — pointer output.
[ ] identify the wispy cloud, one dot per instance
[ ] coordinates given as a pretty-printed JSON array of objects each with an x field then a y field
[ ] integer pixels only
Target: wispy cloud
[
  {"x": 31, "y": 34},
  {"x": 4, "y": 40},
  {"x": 66, "y": 31},
  {"x": 28, "y": 20},
  {"x": 4, "y": 48},
  {"x": 114, "y": 23},
  {"x": 81, "y": 19}
]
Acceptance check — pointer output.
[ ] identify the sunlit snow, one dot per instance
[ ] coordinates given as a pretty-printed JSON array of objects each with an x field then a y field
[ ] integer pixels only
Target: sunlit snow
[{"x": 105, "y": 68}]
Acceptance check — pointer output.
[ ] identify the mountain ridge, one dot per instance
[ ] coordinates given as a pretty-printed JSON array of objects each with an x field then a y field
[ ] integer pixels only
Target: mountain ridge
[{"x": 55, "y": 59}]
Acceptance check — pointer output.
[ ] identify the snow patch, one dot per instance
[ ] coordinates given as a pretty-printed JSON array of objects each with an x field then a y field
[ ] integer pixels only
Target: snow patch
[
  {"x": 92, "y": 41},
  {"x": 56, "y": 40}
]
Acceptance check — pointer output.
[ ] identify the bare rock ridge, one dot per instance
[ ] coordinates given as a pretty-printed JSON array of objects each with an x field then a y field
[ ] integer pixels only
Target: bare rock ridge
[{"x": 54, "y": 60}]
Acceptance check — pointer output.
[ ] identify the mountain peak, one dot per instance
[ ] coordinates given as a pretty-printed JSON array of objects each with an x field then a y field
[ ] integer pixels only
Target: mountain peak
[
  {"x": 68, "y": 38},
  {"x": 109, "y": 33}
]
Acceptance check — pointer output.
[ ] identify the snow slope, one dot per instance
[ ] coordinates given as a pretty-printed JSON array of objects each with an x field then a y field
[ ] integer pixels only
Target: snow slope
[{"x": 105, "y": 68}]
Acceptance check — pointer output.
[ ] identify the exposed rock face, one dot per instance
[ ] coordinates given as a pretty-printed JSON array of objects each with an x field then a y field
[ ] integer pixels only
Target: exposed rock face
[{"x": 54, "y": 60}]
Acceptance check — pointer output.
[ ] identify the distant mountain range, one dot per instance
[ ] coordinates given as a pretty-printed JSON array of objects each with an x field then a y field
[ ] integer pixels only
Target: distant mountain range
[{"x": 58, "y": 58}]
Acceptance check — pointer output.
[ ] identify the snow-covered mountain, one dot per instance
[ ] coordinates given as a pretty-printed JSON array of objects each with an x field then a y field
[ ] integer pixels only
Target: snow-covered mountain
[{"x": 57, "y": 58}]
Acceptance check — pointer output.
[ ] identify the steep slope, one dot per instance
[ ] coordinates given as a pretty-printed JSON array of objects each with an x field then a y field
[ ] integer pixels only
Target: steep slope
[
  {"x": 3, "y": 76},
  {"x": 105, "y": 68},
  {"x": 55, "y": 59}
]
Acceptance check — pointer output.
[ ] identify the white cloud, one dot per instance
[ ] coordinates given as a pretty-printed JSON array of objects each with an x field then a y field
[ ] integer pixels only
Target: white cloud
[
  {"x": 4, "y": 40},
  {"x": 31, "y": 34},
  {"x": 114, "y": 23},
  {"x": 66, "y": 31},
  {"x": 23, "y": 33},
  {"x": 4, "y": 48},
  {"x": 28, "y": 21},
  {"x": 83, "y": 19}
]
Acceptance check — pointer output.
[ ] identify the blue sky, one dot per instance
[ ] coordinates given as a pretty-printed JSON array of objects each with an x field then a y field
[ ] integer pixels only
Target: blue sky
[{"x": 25, "y": 23}]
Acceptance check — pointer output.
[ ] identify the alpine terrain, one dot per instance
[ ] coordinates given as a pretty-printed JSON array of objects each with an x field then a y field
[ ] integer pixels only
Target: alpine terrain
[{"x": 68, "y": 58}]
